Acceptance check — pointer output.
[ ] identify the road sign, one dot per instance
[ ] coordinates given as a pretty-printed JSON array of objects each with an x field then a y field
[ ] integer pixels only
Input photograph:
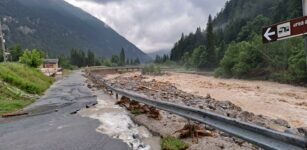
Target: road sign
[{"x": 284, "y": 30}]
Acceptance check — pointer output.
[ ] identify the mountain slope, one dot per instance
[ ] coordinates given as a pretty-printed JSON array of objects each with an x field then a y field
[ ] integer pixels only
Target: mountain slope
[
  {"x": 159, "y": 53},
  {"x": 236, "y": 22},
  {"x": 237, "y": 13},
  {"x": 232, "y": 46},
  {"x": 56, "y": 26}
]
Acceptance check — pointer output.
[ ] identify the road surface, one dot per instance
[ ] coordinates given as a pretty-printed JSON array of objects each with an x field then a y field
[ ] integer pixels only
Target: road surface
[{"x": 52, "y": 123}]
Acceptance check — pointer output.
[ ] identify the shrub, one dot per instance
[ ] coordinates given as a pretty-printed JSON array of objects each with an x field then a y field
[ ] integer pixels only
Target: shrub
[
  {"x": 151, "y": 70},
  {"x": 136, "y": 111},
  {"x": 31, "y": 58},
  {"x": 171, "y": 143}
]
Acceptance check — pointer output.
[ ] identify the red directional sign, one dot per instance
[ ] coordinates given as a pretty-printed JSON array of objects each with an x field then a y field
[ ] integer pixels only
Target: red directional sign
[{"x": 285, "y": 30}]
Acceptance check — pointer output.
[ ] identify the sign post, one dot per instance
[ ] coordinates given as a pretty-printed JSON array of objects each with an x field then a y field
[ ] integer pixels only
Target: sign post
[
  {"x": 288, "y": 29},
  {"x": 285, "y": 30},
  {"x": 304, "y": 6}
]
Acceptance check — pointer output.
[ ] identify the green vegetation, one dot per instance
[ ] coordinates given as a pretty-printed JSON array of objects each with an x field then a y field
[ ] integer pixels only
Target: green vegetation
[
  {"x": 16, "y": 52},
  {"x": 136, "y": 111},
  {"x": 20, "y": 82},
  {"x": 115, "y": 60},
  {"x": 151, "y": 70},
  {"x": 283, "y": 61},
  {"x": 10, "y": 100},
  {"x": 78, "y": 58},
  {"x": 33, "y": 58},
  {"x": 161, "y": 60},
  {"x": 25, "y": 78},
  {"x": 81, "y": 59},
  {"x": 16, "y": 81},
  {"x": 171, "y": 143},
  {"x": 231, "y": 43},
  {"x": 122, "y": 58}
]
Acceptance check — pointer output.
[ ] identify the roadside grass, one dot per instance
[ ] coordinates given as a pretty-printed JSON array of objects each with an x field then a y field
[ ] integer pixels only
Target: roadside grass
[
  {"x": 12, "y": 100},
  {"x": 20, "y": 85},
  {"x": 171, "y": 143},
  {"x": 28, "y": 79}
]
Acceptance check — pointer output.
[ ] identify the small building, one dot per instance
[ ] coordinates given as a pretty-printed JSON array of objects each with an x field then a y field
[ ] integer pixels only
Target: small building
[
  {"x": 50, "y": 67},
  {"x": 51, "y": 63}
]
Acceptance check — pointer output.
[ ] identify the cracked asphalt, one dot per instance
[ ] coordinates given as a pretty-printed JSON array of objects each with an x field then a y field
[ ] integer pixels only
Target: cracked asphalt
[{"x": 52, "y": 123}]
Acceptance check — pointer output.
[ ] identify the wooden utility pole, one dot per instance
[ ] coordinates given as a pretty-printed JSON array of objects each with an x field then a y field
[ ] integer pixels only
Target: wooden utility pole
[
  {"x": 2, "y": 43},
  {"x": 304, "y": 6}
]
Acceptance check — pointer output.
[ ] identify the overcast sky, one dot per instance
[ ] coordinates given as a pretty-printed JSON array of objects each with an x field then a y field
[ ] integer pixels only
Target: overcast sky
[{"x": 152, "y": 25}]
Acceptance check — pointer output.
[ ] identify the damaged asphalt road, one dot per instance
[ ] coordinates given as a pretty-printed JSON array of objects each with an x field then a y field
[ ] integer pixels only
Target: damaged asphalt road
[{"x": 52, "y": 123}]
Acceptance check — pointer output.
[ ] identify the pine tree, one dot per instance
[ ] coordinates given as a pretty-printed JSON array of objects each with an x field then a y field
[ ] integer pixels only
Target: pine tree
[
  {"x": 122, "y": 57},
  {"x": 210, "y": 44},
  {"x": 115, "y": 60},
  {"x": 177, "y": 51},
  {"x": 220, "y": 51},
  {"x": 158, "y": 59},
  {"x": 199, "y": 39},
  {"x": 16, "y": 52},
  {"x": 90, "y": 58},
  {"x": 137, "y": 61}
]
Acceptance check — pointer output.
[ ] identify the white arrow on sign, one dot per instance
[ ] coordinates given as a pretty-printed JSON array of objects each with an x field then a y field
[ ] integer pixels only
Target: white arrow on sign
[{"x": 267, "y": 34}]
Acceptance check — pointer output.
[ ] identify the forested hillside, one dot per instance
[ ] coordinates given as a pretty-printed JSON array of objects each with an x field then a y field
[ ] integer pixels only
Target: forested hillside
[
  {"x": 56, "y": 27},
  {"x": 231, "y": 43}
]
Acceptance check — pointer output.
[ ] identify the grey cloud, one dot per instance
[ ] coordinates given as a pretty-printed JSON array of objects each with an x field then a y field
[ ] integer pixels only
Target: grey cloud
[
  {"x": 101, "y": 1},
  {"x": 152, "y": 24}
]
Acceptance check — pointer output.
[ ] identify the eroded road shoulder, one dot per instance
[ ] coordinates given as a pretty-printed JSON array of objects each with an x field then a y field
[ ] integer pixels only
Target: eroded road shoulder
[{"x": 53, "y": 124}]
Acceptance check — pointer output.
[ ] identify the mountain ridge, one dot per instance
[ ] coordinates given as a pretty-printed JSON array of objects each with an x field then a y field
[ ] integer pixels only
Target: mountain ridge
[{"x": 56, "y": 26}]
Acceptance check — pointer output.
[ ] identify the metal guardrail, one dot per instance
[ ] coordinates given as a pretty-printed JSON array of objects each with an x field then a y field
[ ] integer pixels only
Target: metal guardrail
[{"x": 260, "y": 136}]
